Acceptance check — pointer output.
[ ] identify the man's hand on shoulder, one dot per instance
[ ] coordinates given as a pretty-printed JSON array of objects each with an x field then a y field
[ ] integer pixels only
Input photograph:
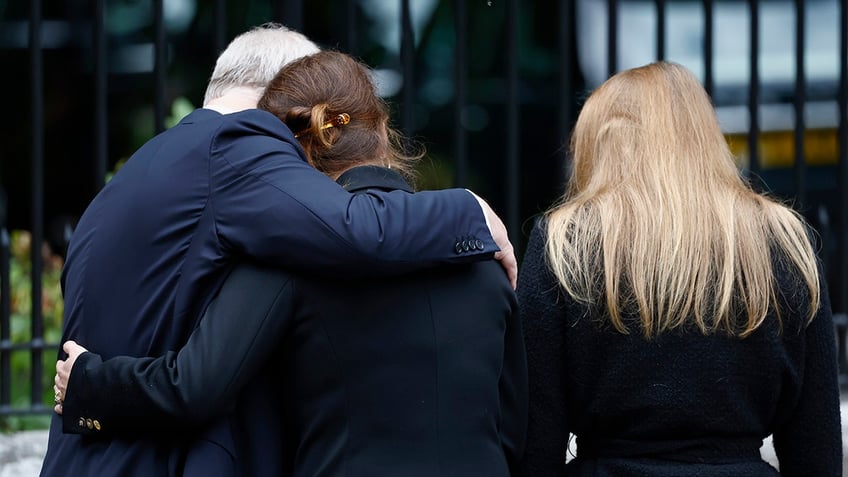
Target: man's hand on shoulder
[{"x": 499, "y": 234}]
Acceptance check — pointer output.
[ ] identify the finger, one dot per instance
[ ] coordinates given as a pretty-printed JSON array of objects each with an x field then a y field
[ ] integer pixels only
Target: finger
[
  {"x": 73, "y": 349},
  {"x": 62, "y": 370},
  {"x": 69, "y": 345},
  {"x": 508, "y": 261},
  {"x": 61, "y": 380},
  {"x": 61, "y": 366},
  {"x": 512, "y": 272},
  {"x": 57, "y": 400}
]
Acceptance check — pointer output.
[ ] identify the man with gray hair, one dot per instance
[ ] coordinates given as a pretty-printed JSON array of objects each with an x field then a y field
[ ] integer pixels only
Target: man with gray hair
[
  {"x": 249, "y": 63},
  {"x": 230, "y": 182}
]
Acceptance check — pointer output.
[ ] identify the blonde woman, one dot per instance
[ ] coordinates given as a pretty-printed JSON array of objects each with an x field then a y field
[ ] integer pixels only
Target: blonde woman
[{"x": 673, "y": 316}]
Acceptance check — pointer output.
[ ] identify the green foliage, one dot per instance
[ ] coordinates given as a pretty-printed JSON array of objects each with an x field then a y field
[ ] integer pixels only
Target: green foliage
[
  {"x": 180, "y": 108},
  {"x": 142, "y": 126},
  {"x": 433, "y": 173},
  {"x": 52, "y": 307}
]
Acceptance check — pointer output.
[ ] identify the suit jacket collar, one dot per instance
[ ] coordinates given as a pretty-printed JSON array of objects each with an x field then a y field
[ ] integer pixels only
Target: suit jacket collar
[
  {"x": 200, "y": 114},
  {"x": 372, "y": 177}
]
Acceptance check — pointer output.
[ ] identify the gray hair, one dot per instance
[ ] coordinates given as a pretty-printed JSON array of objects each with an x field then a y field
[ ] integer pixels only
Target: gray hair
[{"x": 253, "y": 58}]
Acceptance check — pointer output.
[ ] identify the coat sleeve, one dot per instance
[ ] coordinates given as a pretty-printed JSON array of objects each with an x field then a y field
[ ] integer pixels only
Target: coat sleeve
[
  {"x": 810, "y": 443},
  {"x": 544, "y": 333},
  {"x": 268, "y": 202},
  {"x": 513, "y": 391},
  {"x": 238, "y": 333}
]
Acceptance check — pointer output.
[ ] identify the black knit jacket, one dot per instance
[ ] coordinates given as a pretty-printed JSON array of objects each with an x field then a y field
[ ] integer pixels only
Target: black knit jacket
[{"x": 680, "y": 404}]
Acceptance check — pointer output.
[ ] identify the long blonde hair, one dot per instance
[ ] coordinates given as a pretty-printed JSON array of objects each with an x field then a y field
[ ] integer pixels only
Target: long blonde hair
[{"x": 657, "y": 220}]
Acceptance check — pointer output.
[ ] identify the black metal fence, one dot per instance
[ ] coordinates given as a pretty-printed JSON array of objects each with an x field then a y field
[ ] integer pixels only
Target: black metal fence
[{"x": 819, "y": 191}]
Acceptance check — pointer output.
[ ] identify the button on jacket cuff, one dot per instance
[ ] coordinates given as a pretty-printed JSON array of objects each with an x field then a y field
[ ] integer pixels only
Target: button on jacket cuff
[
  {"x": 77, "y": 419},
  {"x": 469, "y": 245}
]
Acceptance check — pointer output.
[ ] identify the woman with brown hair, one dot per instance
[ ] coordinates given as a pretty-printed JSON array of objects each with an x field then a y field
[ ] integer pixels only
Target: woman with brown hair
[
  {"x": 419, "y": 375},
  {"x": 673, "y": 317}
]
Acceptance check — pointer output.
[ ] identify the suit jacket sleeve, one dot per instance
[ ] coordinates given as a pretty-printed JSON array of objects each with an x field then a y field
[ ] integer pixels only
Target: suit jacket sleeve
[
  {"x": 544, "y": 325},
  {"x": 234, "y": 338},
  {"x": 268, "y": 202},
  {"x": 513, "y": 391}
]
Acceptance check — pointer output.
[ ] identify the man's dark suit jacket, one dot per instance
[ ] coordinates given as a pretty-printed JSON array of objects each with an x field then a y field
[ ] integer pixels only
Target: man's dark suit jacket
[
  {"x": 418, "y": 375},
  {"x": 157, "y": 241}
]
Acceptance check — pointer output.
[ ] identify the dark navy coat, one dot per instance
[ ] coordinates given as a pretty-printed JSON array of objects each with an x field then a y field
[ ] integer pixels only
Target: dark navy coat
[
  {"x": 155, "y": 243},
  {"x": 417, "y": 375}
]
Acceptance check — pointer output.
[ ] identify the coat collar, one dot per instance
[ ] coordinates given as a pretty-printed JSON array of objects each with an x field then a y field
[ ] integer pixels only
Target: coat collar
[
  {"x": 200, "y": 114},
  {"x": 360, "y": 178}
]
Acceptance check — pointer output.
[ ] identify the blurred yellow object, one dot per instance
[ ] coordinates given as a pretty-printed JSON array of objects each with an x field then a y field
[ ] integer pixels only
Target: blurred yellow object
[{"x": 777, "y": 148}]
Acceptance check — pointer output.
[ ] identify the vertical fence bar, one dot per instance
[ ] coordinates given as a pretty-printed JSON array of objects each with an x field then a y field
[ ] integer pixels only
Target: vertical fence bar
[
  {"x": 566, "y": 112},
  {"x": 843, "y": 157},
  {"x": 407, "y": 60},
  {"x": 612, "y": 37},
  {"x": 290, "y": 12},
  {"x": 159, "y": 59},
  {"x": 37, "y": 81},
  {"x": 708, "y": 47},
  {"x": 351, "y": 37},
  {"x": 512, "y": 125},
  {"x": 278, "y": 13},
  {"x": 5, "y": 312},
  {"x": 220, "y": 33},
  {"x": 100, "y": 99},
  {"x": 660, "y": 30},
  {"x": 841, "y": 319},
  {"x": 460, "y": 86},
  {"x": 800, "y": 100},
  {"x": 754, "y": 95}
]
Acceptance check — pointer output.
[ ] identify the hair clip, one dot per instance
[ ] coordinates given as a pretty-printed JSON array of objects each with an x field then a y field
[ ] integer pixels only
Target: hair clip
[{"x": 339, "y": 120}]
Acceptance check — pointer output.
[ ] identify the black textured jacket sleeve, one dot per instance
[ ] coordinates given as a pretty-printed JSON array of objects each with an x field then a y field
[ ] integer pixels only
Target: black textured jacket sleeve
[
  {"x": 810, "y": 442},
  {"x": 544, "y": 326},
  {"x": 202, "y": 380}
]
